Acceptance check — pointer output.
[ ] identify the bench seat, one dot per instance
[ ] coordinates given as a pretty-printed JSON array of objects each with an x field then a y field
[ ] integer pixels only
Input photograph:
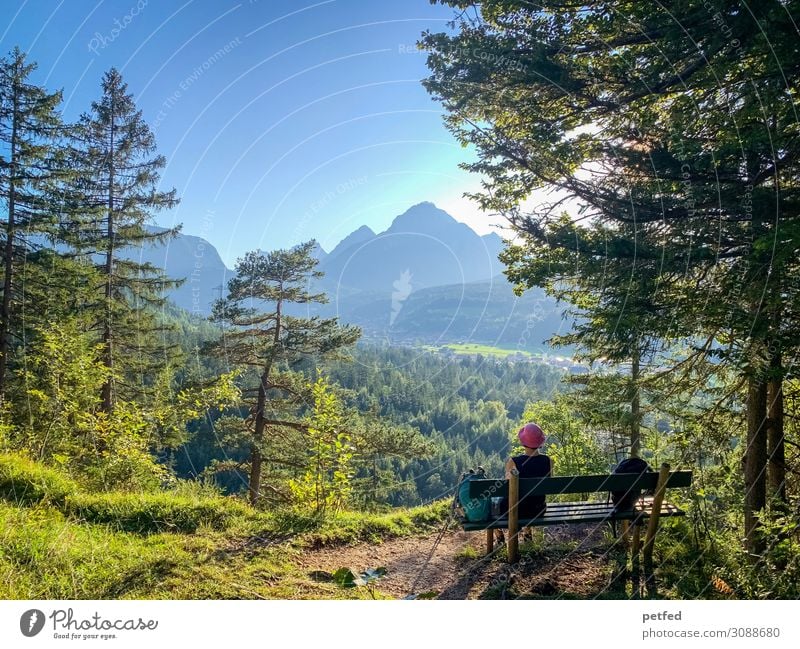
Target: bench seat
[
  {"x": 648, "y": 509},
  {"x": 577, "y": 512}
]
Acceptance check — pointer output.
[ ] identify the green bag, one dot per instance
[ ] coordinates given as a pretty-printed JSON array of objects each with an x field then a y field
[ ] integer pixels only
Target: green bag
[{"x": 474, "y": 509}]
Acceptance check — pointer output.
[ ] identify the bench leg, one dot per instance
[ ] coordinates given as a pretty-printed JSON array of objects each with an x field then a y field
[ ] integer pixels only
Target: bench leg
[
  {"x": 513, "y": 518},
  {"x": 489, "y": 541},
  {"x": 635, "y": 566},
  {"x": 624, "y": 533}
]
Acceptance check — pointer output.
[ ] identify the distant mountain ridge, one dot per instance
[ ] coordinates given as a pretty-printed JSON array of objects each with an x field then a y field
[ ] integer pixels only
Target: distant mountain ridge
[
  {"x": 192, "y": 259},
  {"x": 424, "y": 243},
  {"x": 426, "y": 278}
]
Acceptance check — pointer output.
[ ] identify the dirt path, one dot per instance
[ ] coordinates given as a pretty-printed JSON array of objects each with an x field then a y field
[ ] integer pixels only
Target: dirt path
[
  {"x": 458, "y": 570},
  {"x": 448, "y": 572}
]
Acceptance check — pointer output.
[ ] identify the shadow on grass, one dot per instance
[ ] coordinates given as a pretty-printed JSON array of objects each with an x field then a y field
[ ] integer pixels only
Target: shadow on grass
[{"x": 141, "y": 579}]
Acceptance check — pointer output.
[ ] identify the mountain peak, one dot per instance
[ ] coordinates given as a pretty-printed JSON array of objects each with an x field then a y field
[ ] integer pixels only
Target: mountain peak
[
  {"x": 318, "y": 252},
  {"x": 362, "y": 232},
  {"x": 423, "y": 217},
  {"x": 355, "y": 238}
]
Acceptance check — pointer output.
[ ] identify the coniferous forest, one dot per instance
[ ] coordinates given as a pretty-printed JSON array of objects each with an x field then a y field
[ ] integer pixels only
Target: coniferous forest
[{"x": 137, "y": 440}]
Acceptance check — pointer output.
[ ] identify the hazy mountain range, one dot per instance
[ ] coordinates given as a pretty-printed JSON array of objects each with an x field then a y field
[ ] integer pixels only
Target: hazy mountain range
[{"x": 427, "y": 278}]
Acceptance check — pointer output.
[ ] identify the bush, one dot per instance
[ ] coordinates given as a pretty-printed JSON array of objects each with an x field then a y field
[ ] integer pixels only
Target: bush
[{"x": 24, "y": 481}]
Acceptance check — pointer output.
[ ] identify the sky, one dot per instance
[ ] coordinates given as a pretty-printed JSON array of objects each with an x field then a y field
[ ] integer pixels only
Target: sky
[{"x": 281, "y": 120}]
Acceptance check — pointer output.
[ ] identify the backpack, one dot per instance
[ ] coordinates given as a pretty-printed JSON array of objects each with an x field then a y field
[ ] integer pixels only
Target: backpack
[
  {"x": 625, "y": 500},
  {"x": 472, "y": 509}
]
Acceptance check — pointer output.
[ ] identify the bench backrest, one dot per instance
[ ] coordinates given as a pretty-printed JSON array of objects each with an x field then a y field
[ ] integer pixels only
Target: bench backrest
[{"x": 577, "y": 484}]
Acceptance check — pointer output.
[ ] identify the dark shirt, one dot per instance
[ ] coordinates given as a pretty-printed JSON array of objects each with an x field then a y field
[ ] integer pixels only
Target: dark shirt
[{"x": 532, "y": 466}]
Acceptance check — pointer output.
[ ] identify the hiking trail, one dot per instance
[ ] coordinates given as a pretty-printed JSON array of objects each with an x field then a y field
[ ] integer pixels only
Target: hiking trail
[{"x": 458, "y": 568}]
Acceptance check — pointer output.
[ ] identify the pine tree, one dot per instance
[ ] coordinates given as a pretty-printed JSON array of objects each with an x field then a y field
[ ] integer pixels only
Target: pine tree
[
  {"x": 30, "y": 164},
  {"x": 621, "y": 318},
  {"x": 115, "y": 197},
  {"x": 676, "y": 132},
  {"x": 259, "y": 333}
]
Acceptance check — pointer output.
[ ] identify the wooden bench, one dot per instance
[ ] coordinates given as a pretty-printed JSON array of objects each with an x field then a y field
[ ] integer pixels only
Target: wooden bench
[{"x": 647, "y": 509}]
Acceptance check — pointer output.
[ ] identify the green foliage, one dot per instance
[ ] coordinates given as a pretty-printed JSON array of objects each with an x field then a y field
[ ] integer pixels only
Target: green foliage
[
  {"x": 45, "y": 555},
  {"x": 684, "y": 249},
  {"x": 122, "y": 458},
  {"x": 107, "y": 210},
  {"x": 271, "y": 344},
  {"x": 571, "y": 443},
  {"x": 467, "y": 553},
  {"x": 63, "y": 422},
  {"x": 31, "y": 164},
  {"x": 326, "y": 485},
  {"x": 171, "y": 408},
  {"x": 428, "y": 418},
  {"x": 347, "y": 579},
  {"x": 59, "y": 383},
  {"x": 61, "y": 542}
]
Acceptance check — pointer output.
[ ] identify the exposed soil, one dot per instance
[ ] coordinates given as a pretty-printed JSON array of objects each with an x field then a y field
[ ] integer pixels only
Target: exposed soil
[{"x": 574, "y": 563}]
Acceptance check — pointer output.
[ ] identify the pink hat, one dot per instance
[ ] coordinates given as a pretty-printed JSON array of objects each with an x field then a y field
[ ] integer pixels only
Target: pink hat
[{"x": 531, "y": 436}]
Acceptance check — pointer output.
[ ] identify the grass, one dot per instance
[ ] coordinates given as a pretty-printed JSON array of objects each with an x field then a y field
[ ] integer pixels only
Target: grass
[
  {"x": 468, "y": 553},
  {"x": 25, "y": 481},
  {"x": 353, "y": 527},
  {"x": 59, "y": 542},
  {"x": 157, "y": 512}
]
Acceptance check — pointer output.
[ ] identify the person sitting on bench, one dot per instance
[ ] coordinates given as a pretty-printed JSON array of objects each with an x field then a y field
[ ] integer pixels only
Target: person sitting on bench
[{"x": 531, "y": 464}]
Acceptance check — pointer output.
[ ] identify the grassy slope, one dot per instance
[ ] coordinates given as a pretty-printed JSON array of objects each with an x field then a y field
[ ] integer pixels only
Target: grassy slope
[{"x": 57, "y": 542}]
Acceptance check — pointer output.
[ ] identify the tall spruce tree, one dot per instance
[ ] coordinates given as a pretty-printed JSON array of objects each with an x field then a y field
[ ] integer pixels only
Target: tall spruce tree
[
  {"x": 621, "y": 320},
  {"x": 116, "y": 195},
  {"x": 260, "y": 334},
  {"x": 676, "y": 120},
  {"x": 30, "y": 165}
]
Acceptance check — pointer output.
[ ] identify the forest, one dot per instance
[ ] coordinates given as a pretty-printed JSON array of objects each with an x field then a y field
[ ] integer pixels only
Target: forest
[{"x": 671, "y": 242}]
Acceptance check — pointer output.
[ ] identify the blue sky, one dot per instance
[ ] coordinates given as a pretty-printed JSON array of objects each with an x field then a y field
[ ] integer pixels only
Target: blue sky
[{"x": 280, "y": 120}]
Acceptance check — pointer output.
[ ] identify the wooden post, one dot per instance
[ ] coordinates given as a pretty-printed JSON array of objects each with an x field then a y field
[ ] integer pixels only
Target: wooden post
[
  {"x": 513, "y": 517},
  {"x": 626, "y": 526},
  {"x": 652, "y": 523},
  {"x": 489, "y": 541},
  {"x": 636, "y": 545},
  {"x": 620, "y": 574}
]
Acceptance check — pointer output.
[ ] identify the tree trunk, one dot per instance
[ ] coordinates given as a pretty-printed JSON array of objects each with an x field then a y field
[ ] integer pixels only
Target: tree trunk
[
  {"x": 776, "y": 468},
  {"x": 258, "y": 433},
  {"x": 636, "y": 415},
  {"x": 254, "y": 486},
  {"x": 107, "y": 391},
  {"x": 8, "y": 278},
  {"x": 755, "y": 463}
]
